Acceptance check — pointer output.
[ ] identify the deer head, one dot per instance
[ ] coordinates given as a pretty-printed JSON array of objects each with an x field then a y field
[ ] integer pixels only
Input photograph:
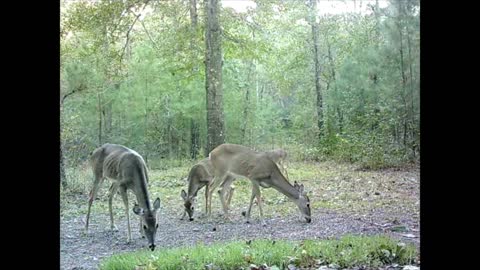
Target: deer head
[
  {"x": 149, "y": 221},
  {"x": 303, "y": 202},
  {"x": 189, "y": 203}
]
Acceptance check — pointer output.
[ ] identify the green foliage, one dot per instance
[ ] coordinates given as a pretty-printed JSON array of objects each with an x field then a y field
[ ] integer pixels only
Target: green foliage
[
  {"x": 147, "y": 92},
  {"x": 348, "y": 251}
]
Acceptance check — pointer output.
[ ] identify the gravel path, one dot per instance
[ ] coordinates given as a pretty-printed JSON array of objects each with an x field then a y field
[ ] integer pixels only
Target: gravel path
[{"x": 80, "y": 251}]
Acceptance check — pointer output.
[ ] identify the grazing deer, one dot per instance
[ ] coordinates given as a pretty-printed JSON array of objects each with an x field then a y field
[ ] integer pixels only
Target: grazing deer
[
  {"x": 231, "y": 160},
  {"x": 201, "y": 174},
  {"x": 127, "y": 169},
  {"x": 279, "y": 156}
]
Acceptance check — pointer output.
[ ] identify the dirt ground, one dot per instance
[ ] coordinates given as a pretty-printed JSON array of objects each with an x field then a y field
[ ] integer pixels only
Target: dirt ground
[{"x": 85, "y": 251}]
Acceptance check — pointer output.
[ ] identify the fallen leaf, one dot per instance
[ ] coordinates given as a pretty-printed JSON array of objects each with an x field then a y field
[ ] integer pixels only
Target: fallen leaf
[
  {"x": 409, "y": 235},
  {"x": 399, "y": 228}
]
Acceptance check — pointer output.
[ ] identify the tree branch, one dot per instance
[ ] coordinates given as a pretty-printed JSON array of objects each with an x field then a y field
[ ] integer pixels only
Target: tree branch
[
  {"x": 68, "y": 94},
  {"x": 149, "y": 36},
  {"x": 130, "y": 29}
]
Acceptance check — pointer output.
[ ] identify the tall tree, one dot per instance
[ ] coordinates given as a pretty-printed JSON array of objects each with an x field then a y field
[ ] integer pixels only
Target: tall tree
[
  {"x": 318, "y": 89},
  {"x": 213, "y": 73},
  {"x": 194, "y": 126}
]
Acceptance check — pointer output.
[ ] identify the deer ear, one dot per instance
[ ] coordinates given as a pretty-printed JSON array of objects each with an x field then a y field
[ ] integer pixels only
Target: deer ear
[
  {"x": 138, "y": 210},
  {"x": 300, "y": 188},
  {"x": 156, "y": 204},
  {"x": 184, "y": 195}
]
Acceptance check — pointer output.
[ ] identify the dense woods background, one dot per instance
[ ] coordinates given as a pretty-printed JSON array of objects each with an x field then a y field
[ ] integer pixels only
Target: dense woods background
[{"x": 280, "y": 74}]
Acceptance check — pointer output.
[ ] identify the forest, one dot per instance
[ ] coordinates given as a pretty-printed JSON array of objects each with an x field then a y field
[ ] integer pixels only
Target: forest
[{"x": 173, "y": 79}]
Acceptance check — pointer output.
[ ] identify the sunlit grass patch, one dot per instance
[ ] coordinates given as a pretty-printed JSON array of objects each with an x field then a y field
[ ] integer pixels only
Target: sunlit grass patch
[
  {"x": 330, "y": 185},
  {"x": 349, "y": 251}
]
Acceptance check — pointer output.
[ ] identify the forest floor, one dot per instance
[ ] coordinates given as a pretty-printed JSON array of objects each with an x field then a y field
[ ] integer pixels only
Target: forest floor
[{"x": 345, "y": 200}]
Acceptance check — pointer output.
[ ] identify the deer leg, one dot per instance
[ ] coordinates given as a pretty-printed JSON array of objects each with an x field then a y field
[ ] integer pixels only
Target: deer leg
[
  {"x": 142, "y": 232},
  {"x": 227, "y": 181},
  {"x": 230, "y": 188},
  {"x": 230, "y": 194},
  {"x": 285, "y": 170},
  {"x": 256, "y": 188},
  {"x": 93, "y": 195},
  {"x": 213, "y": 185},
  {"x": 251, "y": 203},
  {"x": 113, "y": 189},
  {"x": 123, "y": 193},
  {"x": 206, "y": 198}
]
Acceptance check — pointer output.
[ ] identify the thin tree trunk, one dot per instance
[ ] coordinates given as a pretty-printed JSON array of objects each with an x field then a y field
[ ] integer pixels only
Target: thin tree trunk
[
  {"x": 99, "y": 119},
  {"x": 333, "y": 79},
  {"x": 246, "y": 107},
  {"x": 195, "y": 139},
  {"x": 404, "y": 78},
  {"x": 63, "y": 176},
  {"x": 145, "y": 130},
  {"x": 377, "y": 26},
  {"x": 194, "y": 127},
  {"x": 193, "y": 13},
  {"x": 413, "y": 127},
  {"x": 245, "y": 114},
  {"x": 213, "y": 72},
  {"x": 313, "y": 10}
]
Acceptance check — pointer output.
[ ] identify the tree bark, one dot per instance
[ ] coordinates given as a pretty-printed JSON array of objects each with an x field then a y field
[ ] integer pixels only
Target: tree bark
[
  {"x": 404, "y": 77},
  {"x": 245, "y": 114},
  {"x": 194, "y": 127},
  {"x": 193, "y": 13},
  {"x": 213, "y": 74},
  {"x": 333, "y": 79},
  {"x": 145, "y": 129},
  {"x": 63, "y": 176},
  {"x": 195, "y": 139},
  {"x": 99, "y": 119},
  {"x": 318, "y": 90},
  {"x": 413, "y": 128}
]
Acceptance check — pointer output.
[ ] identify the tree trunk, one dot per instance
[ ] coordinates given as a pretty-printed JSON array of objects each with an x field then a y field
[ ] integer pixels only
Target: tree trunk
[
  {"x": 193, "y": 13},
  {"x": 404, "y": 78},
  {"x": 107, "y": 119},
  {"x": 194, "y": 127},
  {"x": 245, "y": 114},
  {"x": 413, "y": 128},
  {"x": 145, "y": 128},
  {"x": 195, "y": 139},
  {"x": 63, "y": 177},
  {"x": 246, "y": 107},
  {"x": 313, "y": 10},
  {"x": 377, "y": 21},
  {"x": 99, "y": 119},
  {"x": 333, "y": 79},
  {"x": 213, "y": 73}
]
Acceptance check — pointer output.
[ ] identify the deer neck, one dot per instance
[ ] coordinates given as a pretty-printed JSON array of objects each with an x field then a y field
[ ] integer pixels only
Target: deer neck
[
  {"x": 193, "y": 182},
  {"x": 141, "y": 191},
  {"x": 192, "y": 187},
  {"x": 284, "y": 187}
]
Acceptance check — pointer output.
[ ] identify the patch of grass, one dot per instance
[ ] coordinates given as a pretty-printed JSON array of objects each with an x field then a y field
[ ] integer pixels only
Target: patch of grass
[
  {"x": 330, "y": 185},
  {"x": 348, "y": 251}
]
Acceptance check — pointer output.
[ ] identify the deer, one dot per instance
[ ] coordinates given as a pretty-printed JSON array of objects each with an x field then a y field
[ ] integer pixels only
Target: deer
[
  {"x": 237, "y": 161},
  {"x": 128, "y": 171},
  {"x": 279, "y": 156},
  {"x": 200, "y": 175}
]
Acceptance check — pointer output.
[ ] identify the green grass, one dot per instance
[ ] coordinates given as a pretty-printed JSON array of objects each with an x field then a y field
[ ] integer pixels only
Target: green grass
[
  {"x": 330, "y": 185},
  {"x": 348, "y": 251}
]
